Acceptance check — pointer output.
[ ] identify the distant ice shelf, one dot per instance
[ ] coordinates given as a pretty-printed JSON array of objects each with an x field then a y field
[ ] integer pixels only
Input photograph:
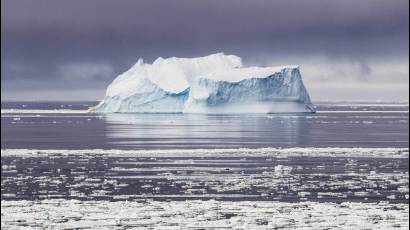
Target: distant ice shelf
[{"x": 214, "y": 84}]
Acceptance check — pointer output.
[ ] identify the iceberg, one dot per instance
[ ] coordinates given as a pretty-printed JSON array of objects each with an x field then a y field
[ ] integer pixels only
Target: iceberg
[{"x": 216, "y": 84}]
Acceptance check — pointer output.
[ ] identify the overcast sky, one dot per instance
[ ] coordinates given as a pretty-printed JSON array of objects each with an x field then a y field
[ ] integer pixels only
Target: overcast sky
[{"x": 71, "y": 50}]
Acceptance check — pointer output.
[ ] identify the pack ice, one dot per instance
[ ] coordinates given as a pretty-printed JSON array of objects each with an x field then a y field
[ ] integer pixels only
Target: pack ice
[{"x": 212, "y": 84}]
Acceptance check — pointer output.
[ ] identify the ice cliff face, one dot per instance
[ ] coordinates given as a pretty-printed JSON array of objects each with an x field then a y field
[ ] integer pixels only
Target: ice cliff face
[
  {"x": 250, "y": 90},
  {"x": 211, "y": 84}
]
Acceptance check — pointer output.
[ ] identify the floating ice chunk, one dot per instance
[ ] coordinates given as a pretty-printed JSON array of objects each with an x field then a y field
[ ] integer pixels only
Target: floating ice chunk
[
  {"x": 282, "y": 169},
  {"x": 212, "y": 84}
]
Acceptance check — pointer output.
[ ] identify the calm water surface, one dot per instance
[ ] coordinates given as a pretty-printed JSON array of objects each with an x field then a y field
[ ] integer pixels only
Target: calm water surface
[{"x": 37, "y": 125}]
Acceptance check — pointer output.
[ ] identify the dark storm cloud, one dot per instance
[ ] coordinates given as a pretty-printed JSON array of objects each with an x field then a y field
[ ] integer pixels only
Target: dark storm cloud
[{"x": 47, "y": 42}]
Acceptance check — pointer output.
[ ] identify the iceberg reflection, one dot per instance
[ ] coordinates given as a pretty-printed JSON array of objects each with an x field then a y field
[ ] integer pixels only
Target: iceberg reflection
[{"x": 205, "y": 131}]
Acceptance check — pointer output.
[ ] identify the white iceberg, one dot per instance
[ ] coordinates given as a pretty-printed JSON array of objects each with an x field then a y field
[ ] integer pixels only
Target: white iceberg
[{"x": 213, "y": 84}]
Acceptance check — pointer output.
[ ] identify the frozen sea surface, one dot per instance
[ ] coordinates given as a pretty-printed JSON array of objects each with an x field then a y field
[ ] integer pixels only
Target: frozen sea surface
[
  {"x": 211, "y": 214},
  {"x": 291, "y": 175},
  {"x": 302, "y": 188}
]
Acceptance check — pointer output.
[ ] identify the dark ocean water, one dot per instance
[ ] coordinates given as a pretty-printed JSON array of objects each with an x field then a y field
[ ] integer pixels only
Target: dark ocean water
[
  {"x": 202, "y": 174},
  {"x": 38, "y": 125}
]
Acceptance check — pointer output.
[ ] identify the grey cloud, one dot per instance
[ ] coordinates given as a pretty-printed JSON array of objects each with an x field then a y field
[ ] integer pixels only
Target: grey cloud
[
  {"x": 85, "y": 71},
  {"x": 41, "y": 38}
]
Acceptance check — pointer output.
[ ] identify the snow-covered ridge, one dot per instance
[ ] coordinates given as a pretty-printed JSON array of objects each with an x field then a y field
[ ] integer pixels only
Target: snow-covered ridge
[
  {"x": 212, "y": 84},
  {"x": 239, "y": 74},
  {"x": 171, "y": 74}
]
